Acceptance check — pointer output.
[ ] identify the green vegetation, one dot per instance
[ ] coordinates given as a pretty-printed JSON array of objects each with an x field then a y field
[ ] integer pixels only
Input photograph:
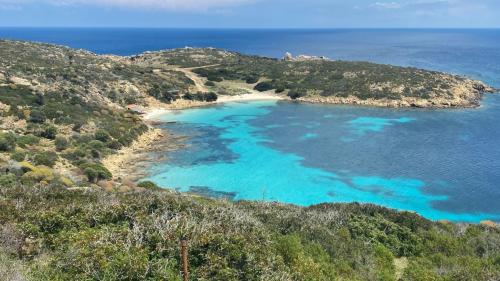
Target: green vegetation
[
  {"x": 91, "y": 131},
  {"x": 328, "y": 79},
  {"x": 200, "y": 96},
  {"x": 90, "y": 234},
  {"x": 64, "y": 217}
]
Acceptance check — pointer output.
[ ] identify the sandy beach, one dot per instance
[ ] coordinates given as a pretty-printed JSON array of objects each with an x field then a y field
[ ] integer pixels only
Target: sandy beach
[
  {"x": 132, "y": 161},
  {"x": 153, "y": 112}
]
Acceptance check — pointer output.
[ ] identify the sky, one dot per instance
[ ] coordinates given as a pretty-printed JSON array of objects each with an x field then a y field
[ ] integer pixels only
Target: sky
[{"x": 252, "y": 13}]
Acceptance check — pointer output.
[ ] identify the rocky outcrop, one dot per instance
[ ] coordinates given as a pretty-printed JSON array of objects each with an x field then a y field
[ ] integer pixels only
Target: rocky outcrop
[
  {"x": 289, "y": 57},
  {"x": 467, "y": 94}
]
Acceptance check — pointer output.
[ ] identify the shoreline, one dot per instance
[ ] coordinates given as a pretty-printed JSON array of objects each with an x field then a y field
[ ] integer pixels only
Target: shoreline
[
  {"x": 131, "y": 162},
  {"x": 153, "y": 112}
]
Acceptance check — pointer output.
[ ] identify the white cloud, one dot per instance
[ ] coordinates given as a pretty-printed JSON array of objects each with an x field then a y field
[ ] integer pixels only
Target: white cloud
[
  {"x": 414, "y": 3},
  {"x": 387, "y": 5},
  {"x": 148, "y": 4}
]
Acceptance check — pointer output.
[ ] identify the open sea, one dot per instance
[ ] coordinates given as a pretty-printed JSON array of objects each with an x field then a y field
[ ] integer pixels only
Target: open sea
[{"x": 443, "y": 164}]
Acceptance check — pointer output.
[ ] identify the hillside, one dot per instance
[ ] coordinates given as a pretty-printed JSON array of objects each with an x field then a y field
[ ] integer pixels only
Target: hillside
[
  {"x": 52, "y": 233},
  {"x": 65, "y": 216},
  {"x": 321, "y": 80}
]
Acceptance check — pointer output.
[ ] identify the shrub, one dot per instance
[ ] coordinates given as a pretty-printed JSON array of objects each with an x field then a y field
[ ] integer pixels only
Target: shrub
[
  {"x": 149, "y": 185},
  {"x": 101, "y": 173},
  {"x": 188, "y": 96},
  {"x": 37, "y": 116},
  {"x": 280, "y": 89},
  {"x": 214, "y": 78},
  {"x": 91, "y": 174},
  {"x": 26, "y": 140},
  {"x": 77, "y": 126},
  {"x": 114, "y": 144},
  {"x": 18, "y": 156},
  {"x": 209, "y": 84},
  {"x": 48, "y": 132},
  {"x": 252, "y": 80},
  {"x": 163, "y": 93},
  {"x": 39, "y": 173},
  {"x": 102, "y": 135},
  {"x": 264, "y": 86},
  {"x": 295, "y": 94},
  {"x": 7, "y": 141},
  {"x": 8, "y": 180},
  {"x": 45, "y": 158},
  {"x": 61, "y": 143},
  {"x": 96, "y": 144},
  {"x": 210, "y": 97}
]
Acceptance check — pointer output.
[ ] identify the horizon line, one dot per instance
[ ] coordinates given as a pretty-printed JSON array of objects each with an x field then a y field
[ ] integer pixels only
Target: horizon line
[{"x": 246, "y": 28}]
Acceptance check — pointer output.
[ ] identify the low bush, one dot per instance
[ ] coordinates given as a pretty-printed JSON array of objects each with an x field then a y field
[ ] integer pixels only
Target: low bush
[
  {"x": 252, "y": 80},
  {"x": 214, "y": 78},
  {"x": 37, "y": 116},
  {"x": 102, "y": 135},
  {"x": 264, "y": 86},
  {"x": 45, "y": 158},
  {"x": 7, "y": 141},
  {"x": 149, "y": 185},
  {"x": 295, "y": 94},
  {"x": 48, "y": 132},
  {"x": 62, "y": 143},
  {"x": 95, "y": 172},
  {"x": 27, "y": 140},
  {"x": 18, "y": 156}
]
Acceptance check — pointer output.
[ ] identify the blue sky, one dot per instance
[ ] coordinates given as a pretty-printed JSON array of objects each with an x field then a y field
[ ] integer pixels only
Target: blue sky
[{"x": 251, "y": 13}]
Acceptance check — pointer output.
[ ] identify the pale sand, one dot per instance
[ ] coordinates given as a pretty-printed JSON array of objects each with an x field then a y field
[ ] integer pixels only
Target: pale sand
[
  {"x": 154, "y": 112},
  {"x": 128, "y": 161}
]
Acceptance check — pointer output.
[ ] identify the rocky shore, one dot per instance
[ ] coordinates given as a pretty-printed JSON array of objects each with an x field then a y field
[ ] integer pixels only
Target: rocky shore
[
  {"x": 467, "y": 94},
  {"x": 132, "y": 162}
]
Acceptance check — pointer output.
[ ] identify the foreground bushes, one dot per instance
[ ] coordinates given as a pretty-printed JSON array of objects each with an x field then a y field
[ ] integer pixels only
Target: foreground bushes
[{"x": 94, "y": 235}]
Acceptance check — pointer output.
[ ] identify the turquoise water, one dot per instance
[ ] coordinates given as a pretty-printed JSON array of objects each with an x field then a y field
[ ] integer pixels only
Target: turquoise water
[{"x": 442, "y": 164}]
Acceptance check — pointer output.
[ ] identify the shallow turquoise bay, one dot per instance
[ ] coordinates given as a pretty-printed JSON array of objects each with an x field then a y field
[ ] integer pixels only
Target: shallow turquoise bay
[{"x": 439, "y": 163}]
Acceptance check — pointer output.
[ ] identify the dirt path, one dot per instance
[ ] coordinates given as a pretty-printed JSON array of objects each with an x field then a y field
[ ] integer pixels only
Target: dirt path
[{"x": 199, "y": 83}]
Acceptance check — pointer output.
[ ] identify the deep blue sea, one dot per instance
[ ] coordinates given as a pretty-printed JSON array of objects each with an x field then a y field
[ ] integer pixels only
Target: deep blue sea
[{"x": 443, "y": 164}]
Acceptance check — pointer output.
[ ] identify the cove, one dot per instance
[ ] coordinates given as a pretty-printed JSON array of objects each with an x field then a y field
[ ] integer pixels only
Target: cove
[{"x": 442, "y": 164}]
